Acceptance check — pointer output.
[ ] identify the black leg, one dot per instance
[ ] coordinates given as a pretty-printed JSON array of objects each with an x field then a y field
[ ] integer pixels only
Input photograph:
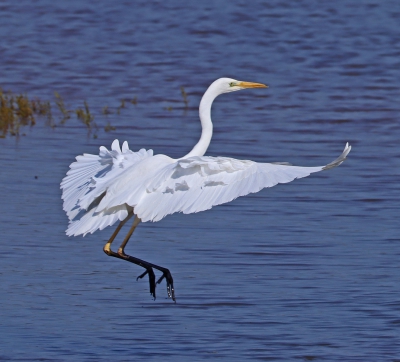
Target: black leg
[{"x": 144, "y": 264}]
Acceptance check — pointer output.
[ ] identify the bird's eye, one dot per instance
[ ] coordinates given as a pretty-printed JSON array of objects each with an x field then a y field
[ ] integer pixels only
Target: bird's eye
[{"x": 232, "y": 84}]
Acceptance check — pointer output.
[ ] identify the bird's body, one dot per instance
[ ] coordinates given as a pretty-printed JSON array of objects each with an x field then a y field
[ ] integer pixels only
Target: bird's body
[{"x": 100, "y": 190}]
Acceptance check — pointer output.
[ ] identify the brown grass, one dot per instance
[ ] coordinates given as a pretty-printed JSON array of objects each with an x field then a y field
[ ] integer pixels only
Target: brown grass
[{"x": 18, "y": 111}]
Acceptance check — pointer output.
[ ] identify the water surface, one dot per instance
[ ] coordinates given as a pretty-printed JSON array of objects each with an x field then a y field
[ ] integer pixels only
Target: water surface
[{"x": 303, "y": 271}]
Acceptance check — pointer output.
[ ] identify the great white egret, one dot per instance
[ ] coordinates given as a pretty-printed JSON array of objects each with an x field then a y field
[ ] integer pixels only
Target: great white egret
[{"x": 117, "y": 184}]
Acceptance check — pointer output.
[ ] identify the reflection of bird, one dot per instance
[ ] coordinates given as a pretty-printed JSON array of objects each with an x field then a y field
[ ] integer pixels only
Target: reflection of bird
[{"x": 117, "y": 184}]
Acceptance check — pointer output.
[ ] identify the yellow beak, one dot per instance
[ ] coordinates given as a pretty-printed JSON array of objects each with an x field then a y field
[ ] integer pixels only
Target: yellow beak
[{"x": 251, "y": 85}]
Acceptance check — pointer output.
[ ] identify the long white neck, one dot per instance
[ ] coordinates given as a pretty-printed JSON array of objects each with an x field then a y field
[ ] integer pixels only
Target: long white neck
[{"x": 205, "y": 118}]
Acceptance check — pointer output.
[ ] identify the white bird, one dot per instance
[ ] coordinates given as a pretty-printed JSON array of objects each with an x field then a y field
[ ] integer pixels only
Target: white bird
[{"x": 100, "y": 190}]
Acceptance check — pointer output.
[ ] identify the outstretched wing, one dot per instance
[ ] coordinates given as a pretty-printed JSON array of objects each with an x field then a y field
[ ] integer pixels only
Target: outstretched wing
[
  {"x": 88, "y": 180},
  {"x": 199, "y": 183}
]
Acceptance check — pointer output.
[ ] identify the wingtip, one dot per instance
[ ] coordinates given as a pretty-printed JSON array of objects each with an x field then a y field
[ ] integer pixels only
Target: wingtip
[
  {"x": 340, "y": 159},
  {"x": 346, "y": 150}
]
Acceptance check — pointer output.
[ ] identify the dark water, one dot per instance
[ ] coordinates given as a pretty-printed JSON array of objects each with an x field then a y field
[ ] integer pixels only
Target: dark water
[{"x": 304, "y": 271}]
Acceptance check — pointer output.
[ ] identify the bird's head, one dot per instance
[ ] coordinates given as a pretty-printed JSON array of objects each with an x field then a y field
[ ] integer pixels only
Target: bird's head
[{"x": 226, "y": 85}]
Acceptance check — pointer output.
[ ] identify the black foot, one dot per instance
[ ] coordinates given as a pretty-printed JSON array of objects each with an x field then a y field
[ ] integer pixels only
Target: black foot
[
  {"x": 149, "y": 270},
  {"x": 152, "y": 281},
  {"x": 170, "y": 283}
]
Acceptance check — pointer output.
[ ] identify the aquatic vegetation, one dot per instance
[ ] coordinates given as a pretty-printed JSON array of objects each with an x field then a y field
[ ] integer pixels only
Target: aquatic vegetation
[
  {"x": 185, "y": 99},
  {"x": 122, "y": 105},
  {"x": 18, "y": 111},
  {"x": 66, "y": 114},
  {"x": 106, "y": 111},
  {"x": 7, "y": 115},
  {"x": 86, "y": 117},
  {"x": 108, "y": 127}
]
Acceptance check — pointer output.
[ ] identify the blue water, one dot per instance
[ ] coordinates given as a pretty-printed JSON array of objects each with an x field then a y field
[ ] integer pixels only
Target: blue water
[{"x": 303, "y": 271}]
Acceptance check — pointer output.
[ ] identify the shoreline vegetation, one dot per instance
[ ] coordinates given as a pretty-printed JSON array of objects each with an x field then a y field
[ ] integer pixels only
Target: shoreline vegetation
[{"x": 18, "y": 111}]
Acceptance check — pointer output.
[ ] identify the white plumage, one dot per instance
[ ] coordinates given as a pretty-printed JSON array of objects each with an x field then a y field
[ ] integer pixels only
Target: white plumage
[{"x": 100, "y": 190}]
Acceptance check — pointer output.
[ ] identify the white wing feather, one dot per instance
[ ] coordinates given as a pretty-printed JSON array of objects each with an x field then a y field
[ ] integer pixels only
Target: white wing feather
[
  {"x": 88, "y": 178},
  {"x": 100, "y": 190},
  {"x": 199, "y": 183}
]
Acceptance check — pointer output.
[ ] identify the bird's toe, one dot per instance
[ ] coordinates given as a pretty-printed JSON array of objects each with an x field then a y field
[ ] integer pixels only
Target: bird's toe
[
  {"x": 152, "y": 281},
  {"x": 170, "y": 283}
]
